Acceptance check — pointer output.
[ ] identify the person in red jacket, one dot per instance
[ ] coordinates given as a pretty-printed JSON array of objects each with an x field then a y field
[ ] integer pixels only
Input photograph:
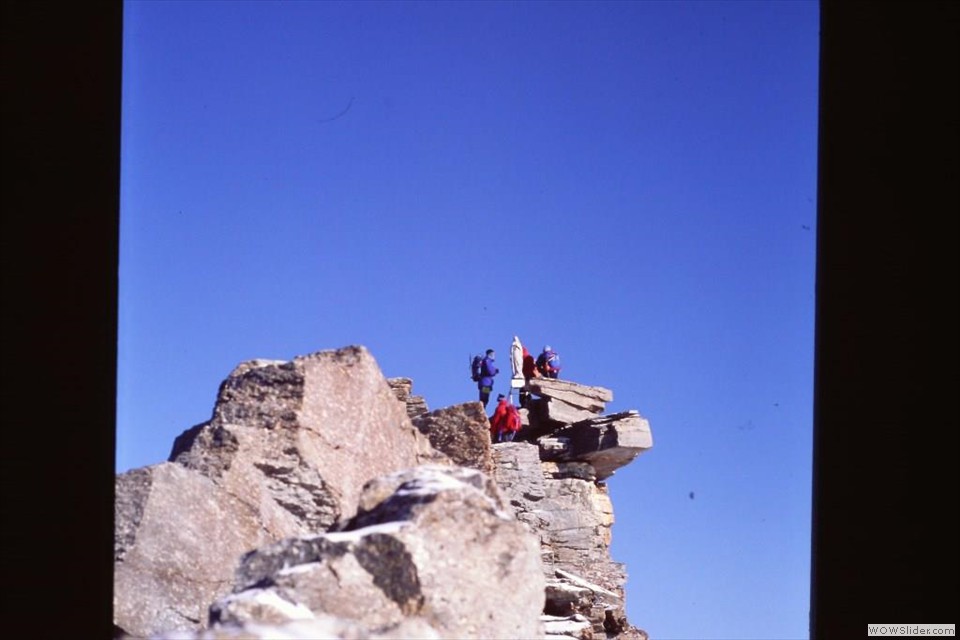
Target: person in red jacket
[
  {"x": 529, "y": 371},
  {"x": 498, "y": 419},
  {"x": 512, "y": 424},
  {"x": 505, "y": 421}
]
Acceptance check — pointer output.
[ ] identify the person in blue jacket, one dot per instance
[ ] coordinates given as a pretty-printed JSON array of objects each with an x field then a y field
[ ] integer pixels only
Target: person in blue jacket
[
  {"x": 487, "y": 371},
  {"x": 548, "y": 363}
]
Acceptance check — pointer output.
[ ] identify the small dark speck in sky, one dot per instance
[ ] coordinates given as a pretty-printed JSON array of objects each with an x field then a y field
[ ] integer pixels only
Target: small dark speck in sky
[
  {"x": 803, "y": 226},
  {"x": 691, "y": 495}
]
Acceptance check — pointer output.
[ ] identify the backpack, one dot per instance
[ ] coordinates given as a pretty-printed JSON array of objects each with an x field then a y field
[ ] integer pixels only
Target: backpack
[
  {"x": 548, "y": 360},
  {"x": 513, "y": 419},
  {"x": 476, "y": 368},
  {"x": 553, "y": 360}
]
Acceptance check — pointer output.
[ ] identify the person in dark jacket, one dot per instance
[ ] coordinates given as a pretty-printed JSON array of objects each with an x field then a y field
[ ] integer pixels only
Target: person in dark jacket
[{"x": 487, "y": 371}]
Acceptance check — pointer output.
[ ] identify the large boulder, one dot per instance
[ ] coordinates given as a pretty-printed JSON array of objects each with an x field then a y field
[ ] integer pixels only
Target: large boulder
[
  {"x": 304, "y": 434},
  {"x": 606, "y": 442},
  {"x": 462, "y": 432},
  {"x": 581, "y": 396},
  {"x": 286, "y": 453},
  {"x": 177, "y": 538},
  {"x": 431, "y": 543}
]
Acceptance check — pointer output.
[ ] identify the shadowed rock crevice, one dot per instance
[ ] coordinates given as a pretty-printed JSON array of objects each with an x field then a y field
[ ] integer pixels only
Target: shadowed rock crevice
[
  {"x": 257, "y": 568},
  {"x": 393, "y": 570}
]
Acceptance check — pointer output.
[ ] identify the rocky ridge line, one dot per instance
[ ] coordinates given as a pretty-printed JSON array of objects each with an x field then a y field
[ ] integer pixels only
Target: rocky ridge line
[{"x": 377, "y": 501}]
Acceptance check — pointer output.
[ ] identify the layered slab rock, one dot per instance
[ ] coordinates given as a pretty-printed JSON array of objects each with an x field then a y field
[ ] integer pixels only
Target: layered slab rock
[
  {"x": 439, "y": 547},
  {"x": 462, "y": 432},
  {"x": 403, "y": 388},
  {"x": 559, "y": 412},
  {"x": 572, "y": 515},
  {"x": 178, "y": 535},
  {"x": 581, "y": 396},
  {"x": 606, "y": 442}
]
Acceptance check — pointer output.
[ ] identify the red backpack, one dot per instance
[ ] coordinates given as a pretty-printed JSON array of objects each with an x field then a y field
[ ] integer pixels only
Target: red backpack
[{"x": 513, "y": 419}]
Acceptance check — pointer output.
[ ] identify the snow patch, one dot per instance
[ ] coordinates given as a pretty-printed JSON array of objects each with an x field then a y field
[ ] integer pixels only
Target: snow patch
[{"x": 267, "y": 598}]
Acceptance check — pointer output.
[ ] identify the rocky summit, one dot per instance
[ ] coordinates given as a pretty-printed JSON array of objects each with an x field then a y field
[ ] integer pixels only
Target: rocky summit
[{"x": 322, "y": 500}]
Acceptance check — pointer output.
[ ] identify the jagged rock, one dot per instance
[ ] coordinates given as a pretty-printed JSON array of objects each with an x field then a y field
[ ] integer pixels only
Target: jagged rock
[
  {"x": 415, "y": 405},
  {"x": 178, "y": 535},
  {"x": 439, "y": 547},
  {"x": 575, "y": 627},
  {"x": 288, "y": 448},
  {"x": 462, "y": 432},
  {"x": 314, "y": 628},
  {"x": 560, "y": 403},
  {"x": 316, "y": 453},
  {"x": 570, "y": 511},
  {"x": 606, "y": 442},
  {"x": 382, "y": 496},
  {"x": 305, "y": 434},
  {"x": 581, "y": 396},
  {"x": 558, "y": 411}
]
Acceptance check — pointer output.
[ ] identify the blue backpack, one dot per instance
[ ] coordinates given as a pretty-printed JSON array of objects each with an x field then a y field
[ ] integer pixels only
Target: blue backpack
[{"x": 476, "y": 368}]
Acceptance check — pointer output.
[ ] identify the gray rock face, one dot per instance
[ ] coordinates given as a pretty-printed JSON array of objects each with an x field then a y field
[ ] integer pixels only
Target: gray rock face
[
  {"x": 559, "y": 403},
  {"x": 322, "y": 500},
  {"x": 312, "y": 628},
  {"x": 288, "y": 449},
  {"x": 571, "y": 513},
  {"x": 606, "y": 442},
  {"x": 178, "y": 535},
  {"x": 462, "y": 432},
  {"x": 581, "y": 396},
  {"x": 438, "y": 547},
  {"x": 304, "y": 435}
]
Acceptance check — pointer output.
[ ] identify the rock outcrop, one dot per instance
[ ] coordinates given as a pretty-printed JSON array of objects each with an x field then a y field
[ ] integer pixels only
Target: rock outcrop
[
  {"x": 606, "y": 442},
  {"x": 462, "y": 432},
  {"x": 322, "y": 500},
  {"x": 402, "y": 387},
  {"x": 439, "y": 547},
  {"x": 286, "y": 453},
  {"x": 176, "y": 531}
]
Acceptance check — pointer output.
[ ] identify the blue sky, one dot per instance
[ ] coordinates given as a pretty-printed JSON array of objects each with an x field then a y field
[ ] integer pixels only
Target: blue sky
[{"x": 633, "y": 183}]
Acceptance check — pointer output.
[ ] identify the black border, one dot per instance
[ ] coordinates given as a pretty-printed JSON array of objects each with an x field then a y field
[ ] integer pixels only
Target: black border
[
  {"x": 885, "y": 410},
  {"x": 61, "y": 143}
]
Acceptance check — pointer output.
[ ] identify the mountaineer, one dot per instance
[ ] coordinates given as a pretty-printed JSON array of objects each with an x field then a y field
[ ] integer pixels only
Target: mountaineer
[
  {"x": 505, "y": 421},
  {"x": 548, "y": 363},
  {"x": 482, "y": 372}
]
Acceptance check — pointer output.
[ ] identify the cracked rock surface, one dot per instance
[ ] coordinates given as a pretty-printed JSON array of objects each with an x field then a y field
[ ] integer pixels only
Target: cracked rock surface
[
  {"x": 286, "y": 453},
  {"x": 322, "y": 500},
  {"x": 439, "y": 548}
]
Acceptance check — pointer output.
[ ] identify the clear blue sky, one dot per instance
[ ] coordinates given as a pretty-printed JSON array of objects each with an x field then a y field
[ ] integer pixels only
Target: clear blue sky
[{"x": 633, "y": 183}]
